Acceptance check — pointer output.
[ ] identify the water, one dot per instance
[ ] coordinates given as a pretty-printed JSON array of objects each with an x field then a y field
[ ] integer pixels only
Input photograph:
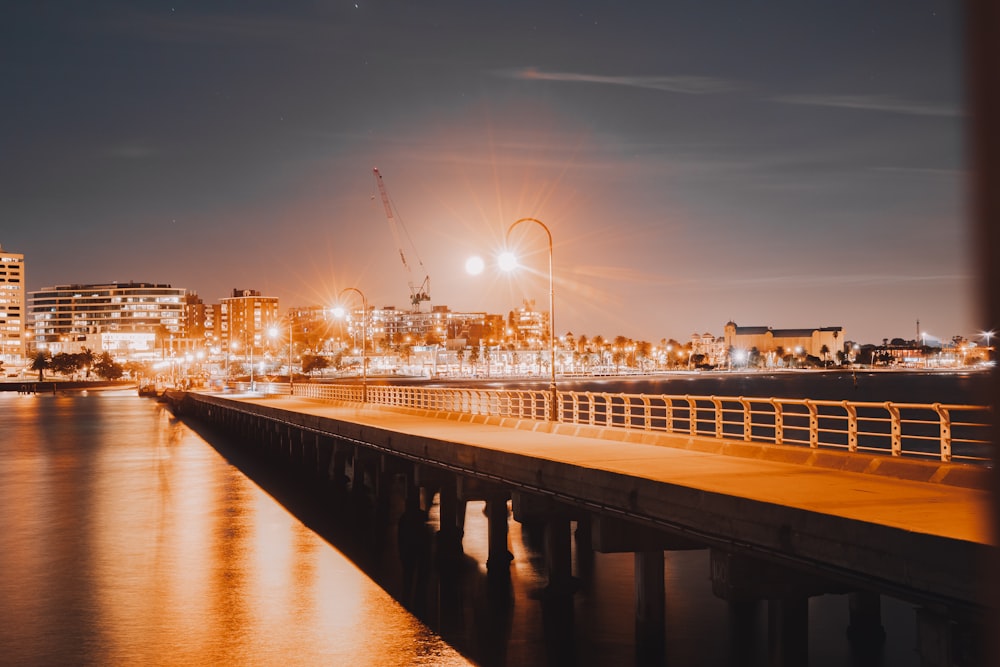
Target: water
[
  {"x": 959, "y": 387},
  {"x": 128, "y": 539}
]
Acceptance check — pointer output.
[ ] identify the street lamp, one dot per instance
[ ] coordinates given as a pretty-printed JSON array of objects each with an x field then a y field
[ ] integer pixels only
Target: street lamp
[
  {"x": 273, "y": 333},
  {"x": 986, "y": 336},
  {"x": 339, "y": 312},
  {"x": 508, "y": 262}
]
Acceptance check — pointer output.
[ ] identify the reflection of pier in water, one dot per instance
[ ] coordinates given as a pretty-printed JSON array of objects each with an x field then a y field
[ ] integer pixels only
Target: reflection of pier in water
[{"x": 781, "y": 527}]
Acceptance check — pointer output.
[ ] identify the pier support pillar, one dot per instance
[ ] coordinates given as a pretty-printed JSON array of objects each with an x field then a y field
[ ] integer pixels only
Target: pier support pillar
[
  {"x": 943, "y": 641},
  {"x": 450, "y": 532},
  {"x": 294, "y": 446},
  {"x": 307, "y": 445},
  {"x": 338, "y": 470},
  {"x": 650, "y": 606},
  {"x": 497, "y": 514},
  {"x": 865, "y": 628},
  {"x": 558, "y": 554},
  {"x": 788, "y": 631},
  {"x": 384, "y": 484},
  {"x": 324, "y": 457}
]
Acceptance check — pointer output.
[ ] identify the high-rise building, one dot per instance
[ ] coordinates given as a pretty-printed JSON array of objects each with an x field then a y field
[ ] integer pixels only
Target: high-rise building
[
  {"x": 12, "y": 307},
  {"x": 244, "y": 319},
  {"x": 122, "y": 318}
]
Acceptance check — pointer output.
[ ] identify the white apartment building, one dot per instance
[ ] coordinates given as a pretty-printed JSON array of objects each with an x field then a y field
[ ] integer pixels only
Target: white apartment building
[
  {"x": 65, "y": 318},
  {"x": 12, "y": 307}
]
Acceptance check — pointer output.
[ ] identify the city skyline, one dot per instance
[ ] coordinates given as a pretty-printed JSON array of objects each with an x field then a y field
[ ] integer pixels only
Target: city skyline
[{"x": 779, "y": 165}]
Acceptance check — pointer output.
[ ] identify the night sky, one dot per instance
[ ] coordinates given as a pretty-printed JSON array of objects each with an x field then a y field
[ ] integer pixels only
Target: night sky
[{"x": 782, "y": 163}]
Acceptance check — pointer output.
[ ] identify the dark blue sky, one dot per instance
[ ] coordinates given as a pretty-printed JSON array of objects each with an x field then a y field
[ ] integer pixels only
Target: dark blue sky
[{"x": 784, "y": 163}]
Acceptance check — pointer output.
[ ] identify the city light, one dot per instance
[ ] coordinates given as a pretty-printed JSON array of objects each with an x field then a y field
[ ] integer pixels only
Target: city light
[
  {"x": 507, "y": 261},
  {"x": 474, "y": 265}
]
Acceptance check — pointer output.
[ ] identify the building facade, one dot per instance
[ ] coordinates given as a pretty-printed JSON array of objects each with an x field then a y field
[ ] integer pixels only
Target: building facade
[
  {"x": 66, "y": 318},
  {"x": 711, "y": 348},
  {"x": 13, "y": 314},
  {"x": 767, "y": 341},
  {"x": 244, "y": 319}
]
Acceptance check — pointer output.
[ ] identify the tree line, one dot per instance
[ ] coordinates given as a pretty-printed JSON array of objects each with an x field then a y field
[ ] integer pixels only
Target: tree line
[{"x": 86, "y": 361}]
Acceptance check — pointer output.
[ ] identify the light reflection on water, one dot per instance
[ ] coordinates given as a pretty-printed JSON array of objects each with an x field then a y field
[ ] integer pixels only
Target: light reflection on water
[{"x": 126, "y": 539}]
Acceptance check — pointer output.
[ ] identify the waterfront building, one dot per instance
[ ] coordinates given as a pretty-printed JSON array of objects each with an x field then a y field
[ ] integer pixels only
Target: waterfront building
[
  {"x": 798, "y": 342},
  {"x": 244, "y": 319},
  {"x": 391, "y": 327},
  {"x": 12, "y": 307},
  {"x": 198, "y": 318},
  {"x": 527, "y": 325},
  {"x": 712, "y": 348},
  {"x": 106, "y": 317}
]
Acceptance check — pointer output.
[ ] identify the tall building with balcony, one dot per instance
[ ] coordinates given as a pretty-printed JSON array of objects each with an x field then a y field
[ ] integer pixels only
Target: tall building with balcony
[
  {"x": 244, "y": 319},
  {"x": 13, "y": 316},
  {"x": 126, "y": 319}
]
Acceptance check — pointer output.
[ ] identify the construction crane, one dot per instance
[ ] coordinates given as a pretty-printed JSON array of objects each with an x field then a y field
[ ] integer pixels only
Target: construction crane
[{"x": 419, "y": 293}]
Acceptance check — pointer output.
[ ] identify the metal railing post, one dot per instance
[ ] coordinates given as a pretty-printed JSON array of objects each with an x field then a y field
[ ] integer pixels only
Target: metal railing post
[
  {"x": 852, "y": 426},
  {"x": 747, "y": 419},
  {"x": 896, "y": 430},
  {"x": 813, "y": 424},
  {"x": 944, "y": 419},
  {"x": 692, "y": 415},
  {"x": 779, "y": 423},
  {"x": 717, "y": 407}
]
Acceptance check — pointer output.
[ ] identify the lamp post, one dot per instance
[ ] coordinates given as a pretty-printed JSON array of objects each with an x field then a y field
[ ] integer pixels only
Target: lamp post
[
  {"x": 509, "y": 262},
  {"x": 291, "y": 376},
  {"x": 273, "y": 333},
  {"x": 251, "y": 364},
  {"x": 364, "y": 339},
  {"x": 987, "y": 335}
]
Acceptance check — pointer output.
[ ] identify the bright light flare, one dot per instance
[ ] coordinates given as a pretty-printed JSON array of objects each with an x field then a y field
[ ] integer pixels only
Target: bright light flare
[
  {"x": 474, "y": 265},
  {"x": 339, "y": 312},
  {"x": 507, "y": 261}
]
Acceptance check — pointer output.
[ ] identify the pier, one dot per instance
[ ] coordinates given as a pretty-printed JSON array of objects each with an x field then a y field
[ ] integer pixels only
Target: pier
[{"x": 783, "y": 521}]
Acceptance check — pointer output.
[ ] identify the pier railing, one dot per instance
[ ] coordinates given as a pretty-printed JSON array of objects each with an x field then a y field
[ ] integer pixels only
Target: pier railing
[{"x": 935, "y": 431}]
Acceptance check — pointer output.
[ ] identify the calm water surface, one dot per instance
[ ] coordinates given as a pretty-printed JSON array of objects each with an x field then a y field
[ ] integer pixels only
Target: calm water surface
[{"x": 126, "y": 538}]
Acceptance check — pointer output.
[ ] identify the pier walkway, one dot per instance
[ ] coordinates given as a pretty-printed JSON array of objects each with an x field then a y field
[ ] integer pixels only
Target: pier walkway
[{"x": 787, "y": 522}]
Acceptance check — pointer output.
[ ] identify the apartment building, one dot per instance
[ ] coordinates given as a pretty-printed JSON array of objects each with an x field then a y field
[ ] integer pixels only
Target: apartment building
[
  {"x": 12, "y": 307},
  {"x": 122, "y": 318}
]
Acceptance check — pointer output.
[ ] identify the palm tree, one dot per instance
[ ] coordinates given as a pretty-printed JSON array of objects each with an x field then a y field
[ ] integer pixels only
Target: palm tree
[
  {"x": 40, "y": 363},
  {"x": 87, "y": 359},
  {"x": 597, "y": 343}
]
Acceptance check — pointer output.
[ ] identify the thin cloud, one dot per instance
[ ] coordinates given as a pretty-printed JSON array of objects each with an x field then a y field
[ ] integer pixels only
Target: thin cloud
[
  {"x": 801, "y": 281},
  {"x": 623, "y": 274},
  {"x": 688, "y": 85},
  {"x": 882, "y": 103}
]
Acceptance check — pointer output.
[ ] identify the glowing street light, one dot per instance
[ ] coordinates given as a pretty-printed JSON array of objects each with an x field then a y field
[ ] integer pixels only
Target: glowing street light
[
  {"x": 508, "y": 262},
  {"x": 273, "y": 332},
  {"x": 340, "y": 312},
  {"x": 474, "y": 266},
  {"x": 986, "y": 335}
]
